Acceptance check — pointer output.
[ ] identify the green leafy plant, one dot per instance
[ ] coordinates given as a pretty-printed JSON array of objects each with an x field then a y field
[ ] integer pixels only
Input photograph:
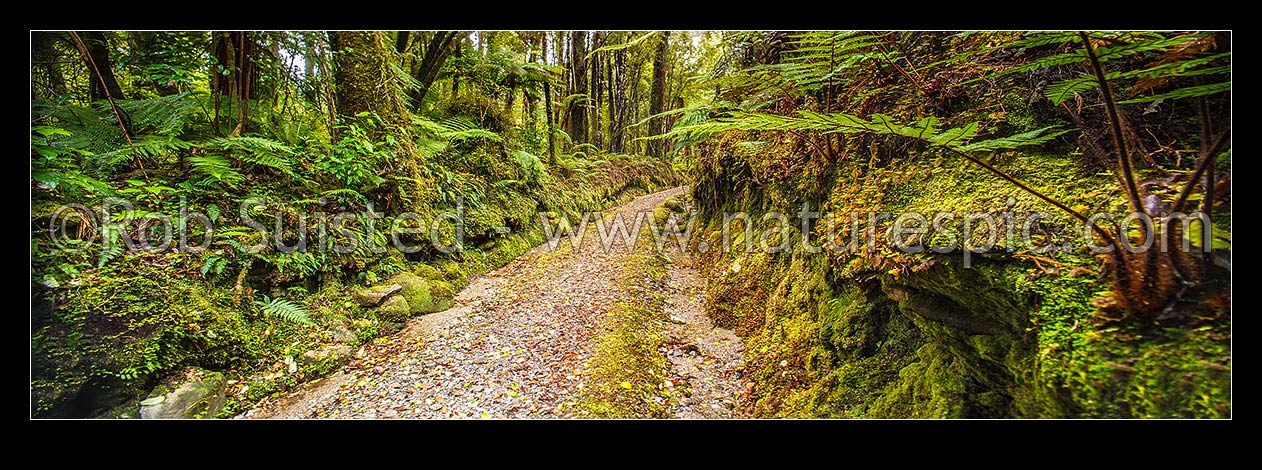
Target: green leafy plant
[{"x": 285, "y": 310}]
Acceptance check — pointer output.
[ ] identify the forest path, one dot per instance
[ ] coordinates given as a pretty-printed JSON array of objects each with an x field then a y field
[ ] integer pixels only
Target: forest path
[{"x": 515, "y": 343}]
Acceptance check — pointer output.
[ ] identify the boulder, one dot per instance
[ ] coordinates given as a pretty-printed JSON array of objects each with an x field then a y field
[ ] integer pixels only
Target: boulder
[
  {"x": 338, "y": 353},
  {"x": 425, "y": 296},
  {"x": 425, "y": 271},
  {"x": 193, "y": 394},
  {"x": 373, "y": 296},
  {"x": 395, "y": 310}
]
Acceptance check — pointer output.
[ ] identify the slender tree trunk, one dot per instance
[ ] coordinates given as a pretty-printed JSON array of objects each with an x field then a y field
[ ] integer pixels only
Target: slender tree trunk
[
  {"x": 329, "y": 83},
  {"x": 617, "y": 126},
  {"x": 99, "y": 50},
  {"x": 401, "y": 42},
  {"x": 607, "y": 66},
  {"x": 427, "y": 71},
  {"x": 455, "y": 78},
  {"x": 547, "y": 108},
  {"x": 633, "y": 108},
  {"x": 597, "y": 100},
  {"x": 657, "y": 103},
  {"x": 578, "y": 76},
  {"x": 234, "y": 52}
]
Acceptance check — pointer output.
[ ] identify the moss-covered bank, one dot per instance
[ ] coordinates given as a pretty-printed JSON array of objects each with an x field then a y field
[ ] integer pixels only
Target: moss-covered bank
[{"x": 886, "y": 334}]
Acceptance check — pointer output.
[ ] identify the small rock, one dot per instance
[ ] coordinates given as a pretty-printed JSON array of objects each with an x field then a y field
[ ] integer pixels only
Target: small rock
[
  {"x": 341, "y": 333},
  {"x": 373, "y": 296},
  {"x": 676, "y": 320},
  {"x": 339, "y": 353}
]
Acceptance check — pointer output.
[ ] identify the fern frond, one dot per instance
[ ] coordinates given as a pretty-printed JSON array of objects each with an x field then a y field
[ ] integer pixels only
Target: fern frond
[
  {"x": 218, "y": 168},
  {"x": 285, "y": 310},
  {"x": 164, "y": 115},
  {"x": 344, "y": 192},
  {"x": 255, "y": 150},
  {"x": 1187, "y": 92}
]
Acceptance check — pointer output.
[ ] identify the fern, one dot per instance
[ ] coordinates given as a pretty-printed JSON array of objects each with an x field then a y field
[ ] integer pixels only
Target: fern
[
  {"x": 147, "y": 146},
  {"x": 453, "y": 128},
  {"x": 213, "y": 263},
  {"x": 1061, "y": 91},
  {"x": 256, "y": 150},
  {"x": 112, "y": 247},
  {"x": 164, "y": 115},
  {"x": 217, "y": 168},
  {"x": 1187, "y": 92},
  {"x": 344, "y": 192},
  {"x": 285, "y": 310},
  {"x": 530, "y": 165}
]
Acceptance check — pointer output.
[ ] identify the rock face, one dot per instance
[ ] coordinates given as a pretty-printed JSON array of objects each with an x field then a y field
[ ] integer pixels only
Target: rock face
[
  {"x": 193, "y": 394},
  {"x": 373, "y": 296}
]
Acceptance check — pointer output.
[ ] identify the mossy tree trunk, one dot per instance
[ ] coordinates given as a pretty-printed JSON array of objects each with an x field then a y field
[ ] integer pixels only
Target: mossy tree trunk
[
  {"x": 578, "y": 86},
  {"x": 657, "y": 101},
  {"x": 365, "y": 81}
]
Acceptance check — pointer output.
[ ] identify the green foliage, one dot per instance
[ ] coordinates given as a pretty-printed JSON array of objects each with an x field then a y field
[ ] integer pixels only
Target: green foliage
[
  {"x": 216, "y": 168},
  {"x": 284, "y": 309},
  {"x": 925, "y": 130},
  {"x": 255, "y": 150}
]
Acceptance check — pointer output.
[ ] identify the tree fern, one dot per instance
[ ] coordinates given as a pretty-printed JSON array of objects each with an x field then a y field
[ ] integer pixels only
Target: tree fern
[
  {"x": 284, "y": 310},
  {"x": 164, "y": 115}
]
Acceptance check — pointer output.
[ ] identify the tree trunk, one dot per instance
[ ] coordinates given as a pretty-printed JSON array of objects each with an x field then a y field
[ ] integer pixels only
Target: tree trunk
[
  {"x": 365, "y": 82},
  {"x": 617, "y": 126},
  {"x": 427, "y": 71},
  {"x": 234, "y": 53},
  {"x": 578, "y": 79},
  {"x": 547, "y": 107},
  {"x": 657, "y": 103},
  {"x": 101, "y": 68},
  {"x": 597, "y": 100},
  {"x": 401, "y": 42},
  {"x": 455, "y": 78}
]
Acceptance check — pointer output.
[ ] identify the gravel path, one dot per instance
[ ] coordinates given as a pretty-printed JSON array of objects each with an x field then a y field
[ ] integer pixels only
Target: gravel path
[
  {"x": 707, "y": 362},
  {"x": 512, "y": 347}
]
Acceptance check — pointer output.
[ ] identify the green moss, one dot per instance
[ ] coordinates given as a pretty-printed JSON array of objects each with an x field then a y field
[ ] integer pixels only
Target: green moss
[
  {"x": 396, "y": 309},
  {"x": 624, "y": 376},
  {"x": 425, "y": 271},
  {"x": 896, "y": 335}
]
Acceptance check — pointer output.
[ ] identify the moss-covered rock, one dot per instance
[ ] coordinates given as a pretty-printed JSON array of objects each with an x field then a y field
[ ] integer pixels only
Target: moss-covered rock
[
  {"x": 373, "y": 296},
  {"x": 424, "y": 296},
  {"x": 425, "y": 271},
  {"x": 328, "y": 356},
  {"x": 396, "y": 310},
  {"x": 192, "y": 394}
]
